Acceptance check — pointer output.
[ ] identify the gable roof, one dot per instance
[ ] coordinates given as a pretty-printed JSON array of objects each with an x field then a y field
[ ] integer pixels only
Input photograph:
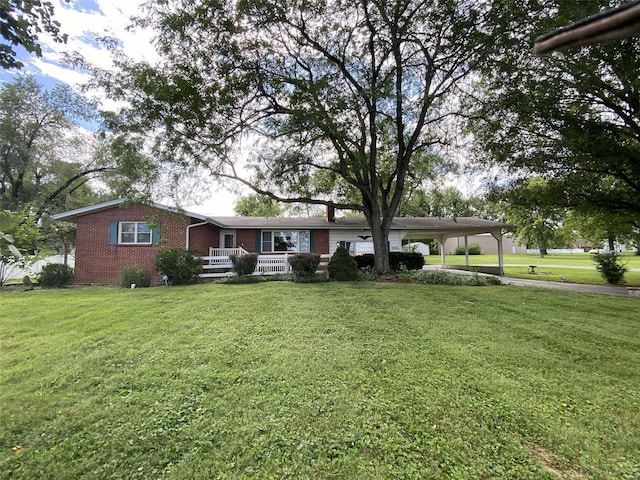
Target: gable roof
[
  {"x": 443, "y": 226},
  {"x": 614, "y": 24}
]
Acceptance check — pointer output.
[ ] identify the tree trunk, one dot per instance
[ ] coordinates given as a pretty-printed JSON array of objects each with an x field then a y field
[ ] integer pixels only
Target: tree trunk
[
  {"x": 380, "y": 245},
  {"x": 612, "y": 244}
]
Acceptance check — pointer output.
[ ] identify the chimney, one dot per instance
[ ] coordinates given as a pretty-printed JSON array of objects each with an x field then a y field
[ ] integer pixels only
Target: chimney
[{"x": 331, "y": 214}]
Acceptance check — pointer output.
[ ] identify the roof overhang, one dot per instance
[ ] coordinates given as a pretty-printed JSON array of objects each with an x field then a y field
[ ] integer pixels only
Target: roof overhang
[
  {"x": 615, "y": 24},
  {"x": 72, "y": 215}
]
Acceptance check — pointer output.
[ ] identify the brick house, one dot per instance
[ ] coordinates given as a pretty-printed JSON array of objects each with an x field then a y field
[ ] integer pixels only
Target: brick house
[{"x": 115, "y": 234}]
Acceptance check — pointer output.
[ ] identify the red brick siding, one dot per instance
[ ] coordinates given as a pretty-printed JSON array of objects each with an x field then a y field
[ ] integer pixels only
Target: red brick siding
[
  {"x": 322, "y": 241},
  {"x": 203, "y": 237},
  {"x": 246, "y": 239},
  {"x": 99, "y": 262}
]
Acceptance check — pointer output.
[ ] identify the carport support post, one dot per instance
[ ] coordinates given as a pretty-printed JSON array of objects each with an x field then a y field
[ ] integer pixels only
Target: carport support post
[
  {"x": 498, "y": 236},
  {"x": 466, "y": 250}
]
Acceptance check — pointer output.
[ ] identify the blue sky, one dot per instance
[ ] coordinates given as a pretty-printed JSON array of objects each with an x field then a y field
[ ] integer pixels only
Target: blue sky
[{"x": 82, "y": 21}]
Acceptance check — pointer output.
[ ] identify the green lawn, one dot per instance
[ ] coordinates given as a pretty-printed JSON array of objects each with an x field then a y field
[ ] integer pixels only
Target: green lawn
[
  {"x": 577, "y": 268},
  {"x": 310, "y": 381}
]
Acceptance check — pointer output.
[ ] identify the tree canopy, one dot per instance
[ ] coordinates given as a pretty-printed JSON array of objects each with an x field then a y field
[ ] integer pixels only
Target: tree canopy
[
  {"x": 257, "y": 206},
  {"x": 573, "y": 118},
  {"x": 332, "y": 102},
  {"x": 21, "y": 22},
  {"x": 44, "y": 156}
]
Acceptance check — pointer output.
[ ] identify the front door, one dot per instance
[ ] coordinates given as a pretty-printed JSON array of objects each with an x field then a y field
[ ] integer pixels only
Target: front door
[{"x": 228, "y": 239}]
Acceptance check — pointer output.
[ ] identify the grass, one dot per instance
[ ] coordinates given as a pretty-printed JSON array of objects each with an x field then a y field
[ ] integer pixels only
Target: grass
[
  {"x": 577, "y": 268},
  {"x": 311, "y": 381}
]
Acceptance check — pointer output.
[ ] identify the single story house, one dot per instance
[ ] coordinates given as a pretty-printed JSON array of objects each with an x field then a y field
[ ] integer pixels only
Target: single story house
[{"x": 115, "y": 234}]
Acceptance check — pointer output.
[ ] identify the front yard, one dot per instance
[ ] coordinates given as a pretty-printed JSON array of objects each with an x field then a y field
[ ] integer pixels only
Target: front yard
[{"x": 332, "y": 380}]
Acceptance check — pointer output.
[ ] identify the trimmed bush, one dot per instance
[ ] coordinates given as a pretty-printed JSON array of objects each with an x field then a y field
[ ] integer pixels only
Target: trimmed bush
[
  {"x": 365, "y": 262},
  {"x": 244, "y": 264},
  {"x": 342, "y": 266},
  {"x": 180, "y": 266},
  {"x": 56, "y": 275},
  {"x": 304, "y": 264},
  {"x": 130, "y": 275},
  {"x": 610, "y": 267},
  {"x": 410, "y": 260},
  {"x": 474, "y": 249}
]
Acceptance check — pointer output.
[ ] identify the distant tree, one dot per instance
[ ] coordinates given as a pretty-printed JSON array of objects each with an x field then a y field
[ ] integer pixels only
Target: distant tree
[
  {"x": 21, "y": 23},
  {"x": 257, "y": 206},
  {"x": 357, "y": 91},
  {"x": 528, "y": 208},
  {"x": 447, "y": 202},
  {"x": 570, "y": 118},
  {"x": 44, "y": 157}
]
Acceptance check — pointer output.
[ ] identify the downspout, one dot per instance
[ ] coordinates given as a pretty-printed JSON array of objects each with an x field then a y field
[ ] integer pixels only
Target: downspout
[{"x": 189, "y": 228}]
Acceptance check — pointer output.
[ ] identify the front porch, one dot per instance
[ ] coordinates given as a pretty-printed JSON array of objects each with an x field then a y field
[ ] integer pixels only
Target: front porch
[{"x": 218, "y": 263}]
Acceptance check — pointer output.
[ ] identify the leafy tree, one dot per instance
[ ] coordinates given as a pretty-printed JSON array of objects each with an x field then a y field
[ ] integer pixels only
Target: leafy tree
[
  {"x": 528, "y": 208},
  {"x": 342, "y": 101},
  {"x": 570, "y": 118},
  {"x": 21, "y": 22},
  {"x": 257, "y": 206},
  {"x": 446, "y": 202},
  {"x": 43, "y": 156}
]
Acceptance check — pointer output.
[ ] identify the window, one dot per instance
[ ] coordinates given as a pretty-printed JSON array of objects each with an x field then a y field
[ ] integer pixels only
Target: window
[
  {"x": 294, "y": 241},
  {"x": 134, "y": 232}
]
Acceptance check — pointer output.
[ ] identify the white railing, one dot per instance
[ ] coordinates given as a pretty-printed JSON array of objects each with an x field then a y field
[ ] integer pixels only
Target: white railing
[
  {"x": 226, "y": 252},
  {"x": 220, "y": 265}
]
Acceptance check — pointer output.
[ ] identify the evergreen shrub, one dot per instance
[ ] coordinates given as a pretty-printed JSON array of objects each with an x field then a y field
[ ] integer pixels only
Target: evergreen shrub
[
  {"x": 610, "y": 267},
  {"x": 130, "y": 275},
  {"x": 244, "y": 264},
  {"x": 342, "y": 266},
  {"x": 304, "y": 264},
  {"x": 410, "y": 260},
  {"x": 179, "y": 265},
  {"x": 56, "y": 275}
]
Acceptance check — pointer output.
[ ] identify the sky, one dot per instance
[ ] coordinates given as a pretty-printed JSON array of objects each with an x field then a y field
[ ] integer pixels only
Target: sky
[{"x": 82, "y": 21}]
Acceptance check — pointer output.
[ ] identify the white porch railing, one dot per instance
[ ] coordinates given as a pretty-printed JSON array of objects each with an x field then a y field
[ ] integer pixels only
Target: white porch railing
[{"x": 217, "y": 265}]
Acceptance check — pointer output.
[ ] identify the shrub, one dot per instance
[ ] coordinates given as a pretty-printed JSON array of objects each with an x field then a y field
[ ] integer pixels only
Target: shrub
[
  {"x": 440, "y": 277},
  {"x": 365, "y": 262},
  {"x": 244, "y": 264},
  {"x": 474, "y": 249},
  {"x": 610, "y": 267},
  {"x": 130, "y": 275},
  {"x": 180, "y": 266},
  {"x": 342, "y": 266},
  {"x": 410, "y": 260},
  {"x": 56, "y": 275},
  {"x": 304, "y": 264}
]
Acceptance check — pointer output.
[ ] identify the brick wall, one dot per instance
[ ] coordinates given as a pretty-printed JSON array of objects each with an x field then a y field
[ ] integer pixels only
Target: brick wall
[
  {"x": 246, "y": 239},
  {"x": 322, "y": 241},
  {"x": 99, "y": 262}
]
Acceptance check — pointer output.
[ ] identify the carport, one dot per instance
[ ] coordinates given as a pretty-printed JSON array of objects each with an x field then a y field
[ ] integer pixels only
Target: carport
[{"x": 442, "y": 229}]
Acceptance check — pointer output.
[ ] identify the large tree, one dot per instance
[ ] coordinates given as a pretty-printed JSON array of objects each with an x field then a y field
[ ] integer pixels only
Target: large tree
[
  {"x": 572, "y": 118},
  {"x": 44, "y": 155},
  {"x": 354, "y": 91}
]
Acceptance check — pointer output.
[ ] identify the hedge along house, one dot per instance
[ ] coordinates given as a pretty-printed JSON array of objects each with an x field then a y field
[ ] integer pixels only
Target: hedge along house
[{"x": 115, "y": 234}]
